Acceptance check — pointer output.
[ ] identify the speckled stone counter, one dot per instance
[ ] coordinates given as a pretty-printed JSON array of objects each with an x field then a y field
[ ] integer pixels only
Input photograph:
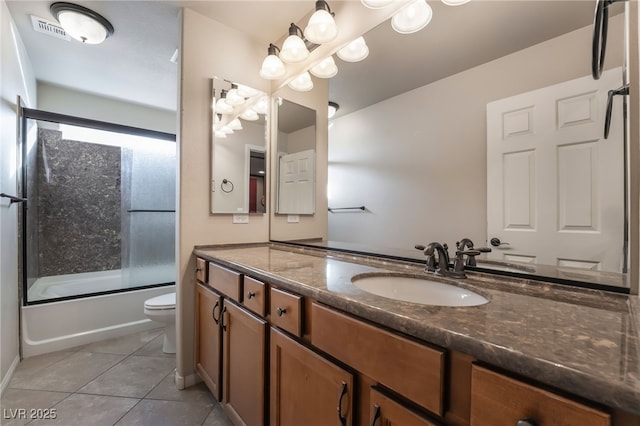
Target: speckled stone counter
[{"x": 585, "y": 342}]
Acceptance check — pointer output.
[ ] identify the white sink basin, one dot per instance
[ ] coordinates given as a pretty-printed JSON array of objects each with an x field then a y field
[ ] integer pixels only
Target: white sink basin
[{"x": 417, "y": 290}]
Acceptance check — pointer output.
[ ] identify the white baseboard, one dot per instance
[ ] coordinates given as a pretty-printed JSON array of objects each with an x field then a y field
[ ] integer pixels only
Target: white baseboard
[
  {"x": 186, "y": 381},
  {"x": 7, "y": 377}
]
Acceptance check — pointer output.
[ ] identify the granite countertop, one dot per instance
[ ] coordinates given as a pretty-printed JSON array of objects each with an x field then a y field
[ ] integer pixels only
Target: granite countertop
[{"x": 586, "y": 342}]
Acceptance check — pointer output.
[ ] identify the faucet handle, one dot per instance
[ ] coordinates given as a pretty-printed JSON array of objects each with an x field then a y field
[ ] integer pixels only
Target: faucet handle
[{"x": 419, "y": 247}]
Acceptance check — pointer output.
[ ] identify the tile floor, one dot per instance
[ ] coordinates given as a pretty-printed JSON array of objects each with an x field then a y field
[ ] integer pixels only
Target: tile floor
[{"x": 122, "y": 381}]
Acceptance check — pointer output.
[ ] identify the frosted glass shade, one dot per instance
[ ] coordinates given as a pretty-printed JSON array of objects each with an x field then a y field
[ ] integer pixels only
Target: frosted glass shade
[
  {"x": 355, "y": 51},
  {"x": 261, "y": 106},
  {"x": 325, "y": 69},
  {"x": 234, "y": 98},
  {"x": 376, "y": 4},
  {"x": 321, "y": 27},
  {"x": 411, "y": 18},
  {"x": 294, "y": 50},
  {"x": 235, "y": 124},
  {"x": 249, "y": 115},
  {"x": 246, "y": 91},
  {"x": 82, "y": 27},
  {"x": 302, "y": 83},
  {"x": 455, "y": 2},
  {"x": 222, "y": 107},
  {"x": 272, "y": 68}
]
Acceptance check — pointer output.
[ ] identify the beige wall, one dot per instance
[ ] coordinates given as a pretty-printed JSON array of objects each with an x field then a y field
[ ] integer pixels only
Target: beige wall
[
  {"x": 67, "y": 101},
  {"x": 16, "y": 79}
]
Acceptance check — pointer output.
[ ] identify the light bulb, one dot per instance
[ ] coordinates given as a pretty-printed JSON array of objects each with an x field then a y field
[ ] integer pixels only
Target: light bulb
[
  {"x": 355, "y": 51},
  {"x": 413, "y": 17},
  {"x": 325, "y": 69}
]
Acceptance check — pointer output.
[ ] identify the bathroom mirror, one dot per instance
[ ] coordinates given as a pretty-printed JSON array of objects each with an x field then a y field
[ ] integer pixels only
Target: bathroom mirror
[
  {"x": 410, "y": 139},
  {"x": 238, "y": 167},
  {"x": 296, "y": 158}
]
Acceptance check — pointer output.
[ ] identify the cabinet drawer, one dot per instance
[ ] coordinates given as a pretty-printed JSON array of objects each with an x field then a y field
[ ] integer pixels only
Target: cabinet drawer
[
  {"x": 225, "y": 281},
  {"x": 254, "y": 296},
  {"x": 201, "y": 270},
  {"x": 286, "y": 311},
  {"x": 386, "y": 411},
  {"x": 500, "y": 400},
  {"x": 411, "y": 369}
]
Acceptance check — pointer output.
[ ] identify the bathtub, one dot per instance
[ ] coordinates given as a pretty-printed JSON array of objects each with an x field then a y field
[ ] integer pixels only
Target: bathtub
[{"x": 55, "y": 326}]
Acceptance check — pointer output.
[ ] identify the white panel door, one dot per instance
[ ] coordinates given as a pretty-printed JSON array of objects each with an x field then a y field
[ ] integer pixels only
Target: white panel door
[
  {"x": 296, "y": 189},
  {"x": 554, "y": 185}
]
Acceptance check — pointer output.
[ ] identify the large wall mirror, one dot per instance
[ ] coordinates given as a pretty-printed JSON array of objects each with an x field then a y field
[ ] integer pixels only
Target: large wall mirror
[
  {"x": 296, "y": 147},
  {"x": 238, "y": 171},
  {"x": 493, "y": 133}
]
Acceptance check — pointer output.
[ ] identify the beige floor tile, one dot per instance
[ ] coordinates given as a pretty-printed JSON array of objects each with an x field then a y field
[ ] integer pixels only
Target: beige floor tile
[
  {"x": 168, "y": 391},
  {"x": 17, "y": 405},
  {"x": 67, "y": 374},
  {"x": 154, "y": 348},
  {"x": 217, "y": 417},
  {"x": 133, "y": 377},
  {"x": 165, "y": 413},
  {"x": 124, "y": 345},
  {"x": 34, "y": 366},
  {"x": 94, "y": 410}
]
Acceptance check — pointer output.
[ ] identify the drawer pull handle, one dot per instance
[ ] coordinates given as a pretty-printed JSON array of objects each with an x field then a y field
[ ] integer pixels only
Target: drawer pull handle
[
  {"x": 281, "y": 311},
  {"x": 343, "y": 392},
  {"x": 526, "y": 422},
  {"x": 222, "y": 317},
  {"x": 198, "y": 269},
  {"x": 376, "y": 414},
  {"x": 251, "y": 295},
  {"x": 213, "y": 312}
]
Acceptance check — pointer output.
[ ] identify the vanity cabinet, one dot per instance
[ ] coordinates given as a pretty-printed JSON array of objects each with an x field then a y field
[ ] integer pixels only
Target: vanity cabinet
[
  {"x": 498, "y": 400},
  {"x": 306, "y": 388},
  {"x": 386, "y": 411},
  {"x": 244, "y": 347},
  {"x": 208, "y": 338}
]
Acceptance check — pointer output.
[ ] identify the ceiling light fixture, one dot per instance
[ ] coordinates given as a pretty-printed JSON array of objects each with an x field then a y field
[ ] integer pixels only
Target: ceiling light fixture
[
  {"x": 81, "y": 23},
  {"x": 333, "y": 108},
  {"x": 293, "y": 49},
  {"x": 272, "y": 66},
  {"x": 321, "y": 27},
  {"x": 325, "y": 69},
  {"x": 355, "y": 51},
  {"x": 413, "y": 17},
  {"x": 376, "y": 4},
  {"x": 302, "y": 83}
]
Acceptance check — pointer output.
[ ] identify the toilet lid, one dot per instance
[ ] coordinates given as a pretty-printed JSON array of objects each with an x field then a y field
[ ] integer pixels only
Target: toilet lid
[{"x": 165, "y": 301}]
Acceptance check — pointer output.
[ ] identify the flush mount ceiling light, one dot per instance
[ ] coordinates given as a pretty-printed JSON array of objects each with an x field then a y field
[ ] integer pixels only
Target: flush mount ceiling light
[
  {"x": 272, "y": 66},
  {"x": 455, "y": 2},
  {"x": 302, "y": 83},
  {"x": 321, "y": 27},
  {"x": 333, "y": 108},
  {"x": 355, "y": 51},
  {"x": 413, "y": 17},
  {"x": 376, "y": 4},
  {"x": 293, "y": 49},
  {"x": 325, "y": 69},
  {"x": 81, "y": 23}
]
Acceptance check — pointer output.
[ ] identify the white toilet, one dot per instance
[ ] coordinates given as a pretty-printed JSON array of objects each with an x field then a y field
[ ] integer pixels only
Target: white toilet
[{"x": 163, "y": 309}]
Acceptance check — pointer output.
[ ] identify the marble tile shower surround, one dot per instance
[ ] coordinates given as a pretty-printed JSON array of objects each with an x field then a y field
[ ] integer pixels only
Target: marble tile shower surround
[
  {"x": 582, "y": 341},
  {"x": 78, "y": 205}
]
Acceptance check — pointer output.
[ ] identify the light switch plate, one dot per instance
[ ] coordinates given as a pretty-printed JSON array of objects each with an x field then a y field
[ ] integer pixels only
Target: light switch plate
[
  {"x": 293, "y": 218},
  {"x": 240, "y": 218}
]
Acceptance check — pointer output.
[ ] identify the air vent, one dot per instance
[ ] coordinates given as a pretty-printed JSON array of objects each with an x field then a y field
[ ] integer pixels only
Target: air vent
[{"x": 49, "y": 28}]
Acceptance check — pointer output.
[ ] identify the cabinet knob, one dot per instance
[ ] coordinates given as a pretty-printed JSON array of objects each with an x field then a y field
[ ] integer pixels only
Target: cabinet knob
[
  {"x": 251, "y": 295},
  {"x": 281, "y": 311},
  {"x": 376, "y": 414},
  {"x": 198, "y": 269},
  {"x": 526, "y": 422}
]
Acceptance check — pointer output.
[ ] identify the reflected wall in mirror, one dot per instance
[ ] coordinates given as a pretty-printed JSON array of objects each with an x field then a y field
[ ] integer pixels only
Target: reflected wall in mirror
[
  {"x": 238, "y": 169},
  {"x": 296, "y": 159},
  {"x": 410, "y": 139}
]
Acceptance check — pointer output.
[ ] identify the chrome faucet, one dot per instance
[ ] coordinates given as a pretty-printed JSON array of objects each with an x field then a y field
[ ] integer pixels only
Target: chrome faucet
[{"x": 440, "y": 267}]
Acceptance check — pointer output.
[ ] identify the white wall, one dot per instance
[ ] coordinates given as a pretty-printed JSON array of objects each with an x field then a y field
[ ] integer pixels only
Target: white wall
[
  {"x": 67, "y": 101},
  {"x": 417, "y": 161},
  {"x": 16, "y": 79},
  {"x": 302, "y": 140}
]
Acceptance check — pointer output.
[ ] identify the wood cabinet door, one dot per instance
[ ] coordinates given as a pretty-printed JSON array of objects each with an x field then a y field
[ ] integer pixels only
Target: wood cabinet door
[
  {"x": 387, "y": 412},
  {"x": 244, "y": 366},
  {"x": 305, "y": 388},
  {"x": 208, "y": 338}
]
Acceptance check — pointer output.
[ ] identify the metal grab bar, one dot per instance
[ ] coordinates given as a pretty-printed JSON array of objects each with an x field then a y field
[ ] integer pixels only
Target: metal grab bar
[
  {"x": 346, "y": 208},
  {"x": 13, "y": 199}
]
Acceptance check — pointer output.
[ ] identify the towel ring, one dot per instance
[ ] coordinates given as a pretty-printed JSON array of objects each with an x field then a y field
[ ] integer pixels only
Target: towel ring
[{"x": 229, "y": 185}]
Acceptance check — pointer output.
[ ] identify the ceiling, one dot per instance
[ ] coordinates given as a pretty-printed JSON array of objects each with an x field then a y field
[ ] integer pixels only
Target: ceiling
[{"x": 133, "y": 64}]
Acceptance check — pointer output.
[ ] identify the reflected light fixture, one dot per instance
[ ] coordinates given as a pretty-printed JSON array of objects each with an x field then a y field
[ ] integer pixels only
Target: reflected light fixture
[
  {"x": 302, "y": 83},
  {"x": 222, "y": 107},
  {"x": 321, "y": 27},
  {"x": 272, "y": 66},
  {"x": 455, "y": 2},
  {"x": 233, "y": 97},
  {"x": 293, "y": 49},
  {"x": 235, "y": 124},
  {"x": 413, "y": 17},
  {"x": 246, "y": 91},
  {"x": 81, "y": 23},
  {"x": 333, "y": 108},
  {"x": 376, "y": 4},
  {"x": 249, "y": 114},
  {"x": 261, "y": 106},
  {"x": 325, "y": 69},
  {"x": 355, "y": 51}
]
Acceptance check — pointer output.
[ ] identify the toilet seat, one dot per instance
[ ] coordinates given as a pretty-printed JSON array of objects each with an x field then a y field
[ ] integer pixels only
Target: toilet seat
[{"x": 161, "y": 303}]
